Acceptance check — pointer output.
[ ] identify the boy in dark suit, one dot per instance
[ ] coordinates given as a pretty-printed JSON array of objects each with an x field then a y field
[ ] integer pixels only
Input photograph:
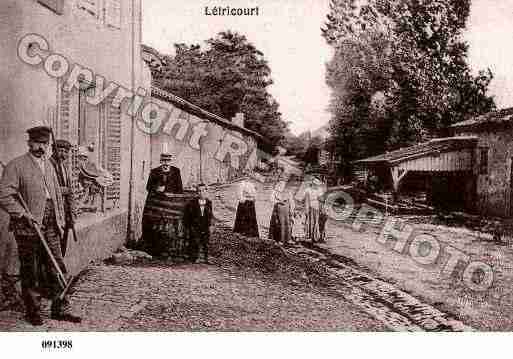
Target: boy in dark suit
[{"x": 198, "y": 222}]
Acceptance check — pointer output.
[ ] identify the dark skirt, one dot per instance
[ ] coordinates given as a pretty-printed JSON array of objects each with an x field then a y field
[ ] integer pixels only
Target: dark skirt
[{"x": 245, "y": 219}]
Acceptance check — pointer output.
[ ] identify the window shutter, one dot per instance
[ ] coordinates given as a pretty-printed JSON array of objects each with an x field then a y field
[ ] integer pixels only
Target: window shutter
[
  {"x": 113, "y": 13},
  {"x": 64, "y": 110},
  {"x": 113, "y": 147},
  {"x": 65, "y": 133}
]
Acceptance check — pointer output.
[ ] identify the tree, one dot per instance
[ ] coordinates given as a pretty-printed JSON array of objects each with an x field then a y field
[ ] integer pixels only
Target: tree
[
  {"x": 399, "y": 73},
  {"x": 230, "y": 75}
]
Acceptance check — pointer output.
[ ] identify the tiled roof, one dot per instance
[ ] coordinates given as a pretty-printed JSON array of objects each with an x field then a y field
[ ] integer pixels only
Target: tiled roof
[
  {"x": 491, "y": 118},
  {"x": 437, "y": 145},
  {"x": 198, "y": 111}
]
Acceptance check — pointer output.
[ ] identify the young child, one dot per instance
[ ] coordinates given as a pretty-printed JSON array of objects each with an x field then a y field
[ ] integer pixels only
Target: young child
[{"x": 198, "y": 224}]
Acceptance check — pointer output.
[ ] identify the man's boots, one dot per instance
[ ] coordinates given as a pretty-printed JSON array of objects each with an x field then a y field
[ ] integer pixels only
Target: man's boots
[
  {"x": 32, "y": 307},
  {"x": 61, "y": 310}
]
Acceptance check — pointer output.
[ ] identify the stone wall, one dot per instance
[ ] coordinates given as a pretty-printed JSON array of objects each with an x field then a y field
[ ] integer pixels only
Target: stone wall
[
  {"x": 493, "y": 188},
  {"x": 176, "y": 136}
]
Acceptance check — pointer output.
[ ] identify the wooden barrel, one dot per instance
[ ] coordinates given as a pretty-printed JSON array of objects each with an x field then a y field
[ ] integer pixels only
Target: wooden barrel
[{"x": 165, "y": 212}]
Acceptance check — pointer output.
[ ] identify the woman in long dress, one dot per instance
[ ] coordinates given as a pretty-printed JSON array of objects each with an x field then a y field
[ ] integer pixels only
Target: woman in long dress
[
  {"x": 245, "y": 218},
  {"x": 313, "y": 196},
  {"x": 281, "y": 223}
]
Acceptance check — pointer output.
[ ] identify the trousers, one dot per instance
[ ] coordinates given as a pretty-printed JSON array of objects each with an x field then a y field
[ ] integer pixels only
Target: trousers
[{"x": 38, "y": 276}]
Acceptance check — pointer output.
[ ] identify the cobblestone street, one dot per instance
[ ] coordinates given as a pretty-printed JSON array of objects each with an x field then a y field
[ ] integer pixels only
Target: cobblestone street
[
  {"x": 355, "y": 284},
  {"x": 161, "y": 296}
]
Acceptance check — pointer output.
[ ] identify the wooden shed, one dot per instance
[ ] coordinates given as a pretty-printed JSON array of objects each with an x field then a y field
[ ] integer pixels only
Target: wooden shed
[{"x": 444, "y": 165}]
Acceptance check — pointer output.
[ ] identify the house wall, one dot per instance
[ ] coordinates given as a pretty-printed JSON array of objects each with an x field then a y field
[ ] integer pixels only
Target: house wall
[
  {"x": 170, "y": 138},
  {"x": 493, "y": 189},
  {"x": 30, "y": 97}
]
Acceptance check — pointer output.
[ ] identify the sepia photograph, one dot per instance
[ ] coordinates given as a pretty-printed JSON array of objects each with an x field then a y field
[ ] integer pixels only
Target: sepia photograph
[{"x": 298, "y": 169}]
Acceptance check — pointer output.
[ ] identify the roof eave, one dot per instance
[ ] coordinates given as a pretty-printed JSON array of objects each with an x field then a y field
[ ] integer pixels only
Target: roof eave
[{"x": 198, "y": 111}]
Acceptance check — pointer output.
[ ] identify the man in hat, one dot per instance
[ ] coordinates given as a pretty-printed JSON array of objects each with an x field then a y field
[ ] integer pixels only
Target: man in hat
[
  {"x": 59, "y": 160},
  {"x": 163, "y": 179},
  {"x": 32, "y": 177}
]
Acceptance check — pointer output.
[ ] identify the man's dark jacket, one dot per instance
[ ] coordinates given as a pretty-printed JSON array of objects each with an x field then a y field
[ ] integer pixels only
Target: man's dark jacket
[
  {"x": 172, "y": 180},
  {"x": 197, "y": 225}
]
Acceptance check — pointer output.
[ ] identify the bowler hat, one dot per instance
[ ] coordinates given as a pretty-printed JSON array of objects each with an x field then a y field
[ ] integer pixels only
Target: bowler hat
[{"x": 39, "y": 133}]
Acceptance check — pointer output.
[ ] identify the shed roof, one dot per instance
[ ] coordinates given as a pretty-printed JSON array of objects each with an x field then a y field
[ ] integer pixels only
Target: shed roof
[
  {"x": 437, "y": 145},
  {"x": 504, "y": 116}
]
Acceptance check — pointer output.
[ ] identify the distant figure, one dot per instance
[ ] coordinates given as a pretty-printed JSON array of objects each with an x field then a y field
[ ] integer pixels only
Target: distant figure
[
  {"x": 280, "y": 226},
  {"x": 245, "y": 218},
  {"x": 198, "y": 221},
  {"x": 323, "y": 216}
]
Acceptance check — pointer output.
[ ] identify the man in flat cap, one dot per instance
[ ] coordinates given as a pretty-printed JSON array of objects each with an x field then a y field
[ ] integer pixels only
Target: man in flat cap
[
  {"x": 59, "y": 160},
  {"x": 32, "y": 177},
  {"x": 163, "y": 179}
]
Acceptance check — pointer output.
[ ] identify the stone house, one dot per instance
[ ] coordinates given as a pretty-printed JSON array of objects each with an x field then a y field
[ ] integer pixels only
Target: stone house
[
  {"x": 493, "y": 161},
  {"x": 207, "y": 148},
  {"x": 75, "y": 65}
]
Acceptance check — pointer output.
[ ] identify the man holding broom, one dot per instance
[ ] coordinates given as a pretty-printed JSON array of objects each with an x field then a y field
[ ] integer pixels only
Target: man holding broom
[{"x": 32, "y": 177}]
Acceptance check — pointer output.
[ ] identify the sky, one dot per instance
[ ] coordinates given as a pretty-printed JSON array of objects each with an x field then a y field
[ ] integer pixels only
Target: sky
[{"x": 288, "y": 33}]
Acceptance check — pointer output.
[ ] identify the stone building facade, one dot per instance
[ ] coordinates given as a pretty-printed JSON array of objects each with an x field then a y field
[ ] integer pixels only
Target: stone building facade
[
  {"x": 207, "y": 148},
  {"x": 493, "y": 161},
  {"x": 58, "y": 61}
]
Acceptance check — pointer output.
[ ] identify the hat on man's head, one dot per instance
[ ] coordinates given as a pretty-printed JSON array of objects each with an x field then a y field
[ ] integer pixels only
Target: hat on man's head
[
  {"x": 166, "y": 156},
  {"x": 39, "y": 133},
  {"x": 62, "y": 144}
]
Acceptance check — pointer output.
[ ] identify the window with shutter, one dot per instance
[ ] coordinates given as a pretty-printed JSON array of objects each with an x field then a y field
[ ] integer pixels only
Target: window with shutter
[
  {"x": 113, "y": 153},
  {"x": 65, "y": 132},
  {"x": 94, "y": 175}
]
